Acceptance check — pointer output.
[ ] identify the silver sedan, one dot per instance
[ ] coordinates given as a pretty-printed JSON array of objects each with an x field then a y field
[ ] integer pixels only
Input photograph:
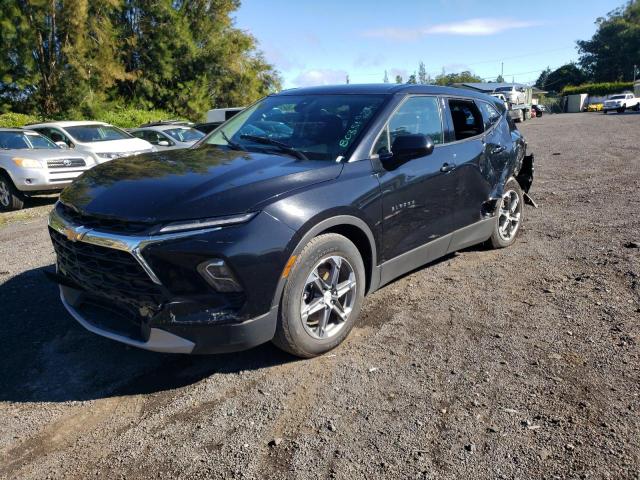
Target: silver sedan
[{"x": 169, "y": 136}]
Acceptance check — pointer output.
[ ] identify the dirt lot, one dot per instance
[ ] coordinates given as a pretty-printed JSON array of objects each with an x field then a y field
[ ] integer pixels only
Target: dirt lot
[{"x": 517, "y": 364}]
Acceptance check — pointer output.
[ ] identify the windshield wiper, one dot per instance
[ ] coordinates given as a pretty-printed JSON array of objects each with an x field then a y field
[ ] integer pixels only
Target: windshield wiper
[
  {"x": 282, "y": 146},
  {"x": 233, "y": 145}
]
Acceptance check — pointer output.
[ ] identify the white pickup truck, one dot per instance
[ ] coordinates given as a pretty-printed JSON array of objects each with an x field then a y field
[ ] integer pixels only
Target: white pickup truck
[{"x": 621, "y": 102}]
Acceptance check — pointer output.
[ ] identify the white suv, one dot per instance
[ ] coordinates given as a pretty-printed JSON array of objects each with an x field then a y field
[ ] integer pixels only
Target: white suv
[{"x": 101, "y": 141}]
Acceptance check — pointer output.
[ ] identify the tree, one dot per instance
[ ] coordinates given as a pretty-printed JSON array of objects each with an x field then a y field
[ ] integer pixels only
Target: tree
[
  {"x": 541, "y": 83},
  {"x": 423, "y": 76},
  {"x": 462, "y": 77},
  {"x": 386, "y": 77},
  {"x": 568, "y": 74},
  {"x": 398, "y": 79},
  {"x": 78, "y": 57},
  {"x": 412, "y": 79},
  {"x": 500, "y": 79},
  {"x": 54, "y": 54},
  {"x": 615, "y": 47}
]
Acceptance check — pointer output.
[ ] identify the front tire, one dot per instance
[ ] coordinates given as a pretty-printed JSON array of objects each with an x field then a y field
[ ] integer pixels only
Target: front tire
[
  {"x": 509, "y": 216},
  {"x": 323, "y": 297},
  {"x": 10, "y": 196}
]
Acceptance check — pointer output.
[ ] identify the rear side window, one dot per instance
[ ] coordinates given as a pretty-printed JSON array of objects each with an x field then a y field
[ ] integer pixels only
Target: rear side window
[
  {"x": 467, "y": 119},
  {"x": 418, "y": 115},
  {"x": 490, "y": 115}
]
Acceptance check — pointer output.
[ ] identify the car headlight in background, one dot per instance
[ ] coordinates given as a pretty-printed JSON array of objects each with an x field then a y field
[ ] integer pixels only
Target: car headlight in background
[
  {"x": 109, "y": 155},
  {"x": 27, "y": 162},
  {"x": 219, "y": 276},
  {"x": 207, "y": 223}
]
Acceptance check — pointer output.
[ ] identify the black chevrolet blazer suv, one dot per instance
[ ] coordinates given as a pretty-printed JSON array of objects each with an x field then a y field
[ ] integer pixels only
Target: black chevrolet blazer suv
[{"x": 277, "y": 224}]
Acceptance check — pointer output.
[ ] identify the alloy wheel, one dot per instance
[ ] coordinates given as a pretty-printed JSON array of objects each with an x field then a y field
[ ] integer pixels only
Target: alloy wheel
[
  {"x": 5, "y": 195},
  {"x": 328, "y": 297},
  {"x": 509, "y": 215}
]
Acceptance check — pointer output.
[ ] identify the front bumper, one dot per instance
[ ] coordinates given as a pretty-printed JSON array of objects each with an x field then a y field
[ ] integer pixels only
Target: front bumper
[
  {"x": 202, "y": 339},
  {"x": 145, "y": 290},
  {"x": 42, "y": 179}
]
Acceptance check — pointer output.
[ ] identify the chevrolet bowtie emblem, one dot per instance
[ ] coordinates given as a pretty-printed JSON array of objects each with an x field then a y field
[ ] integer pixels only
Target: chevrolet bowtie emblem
[{"x": 73, "y": 234}]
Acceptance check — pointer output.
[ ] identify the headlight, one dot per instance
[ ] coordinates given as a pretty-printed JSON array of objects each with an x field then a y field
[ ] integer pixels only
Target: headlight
[
  {"x": 207, "y": 223},
  {"x": 109, "y": 155},
  {"x": 27, "y": 162}
]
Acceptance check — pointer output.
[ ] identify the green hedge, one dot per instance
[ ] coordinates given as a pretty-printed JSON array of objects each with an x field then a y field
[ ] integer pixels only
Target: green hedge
[
  {"x": 133, "y": 117},
  {"x": 605, "y": 88},
  {"x": 121, "y": 117},
  {"x": 11, "y": 120}
]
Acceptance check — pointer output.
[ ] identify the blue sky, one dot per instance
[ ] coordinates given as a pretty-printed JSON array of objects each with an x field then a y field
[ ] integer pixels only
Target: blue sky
[{"x": 320, "y": 42}]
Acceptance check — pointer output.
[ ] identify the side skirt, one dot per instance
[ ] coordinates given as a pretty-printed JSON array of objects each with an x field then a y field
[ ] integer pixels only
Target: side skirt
[{"x": 465, "y": 237}]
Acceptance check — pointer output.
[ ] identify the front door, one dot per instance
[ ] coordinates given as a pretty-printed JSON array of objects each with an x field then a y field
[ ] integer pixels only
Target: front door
[{"x": 418, "y": 201}]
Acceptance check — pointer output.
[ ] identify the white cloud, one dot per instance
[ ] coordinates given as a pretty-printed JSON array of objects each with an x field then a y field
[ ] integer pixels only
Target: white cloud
[
  {"x": 471, "y": 27},
  {"x": 320, "y": 76}
]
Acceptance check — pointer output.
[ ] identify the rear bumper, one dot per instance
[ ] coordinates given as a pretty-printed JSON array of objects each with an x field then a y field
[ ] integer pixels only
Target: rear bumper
[{"x": 192, "y": 338}]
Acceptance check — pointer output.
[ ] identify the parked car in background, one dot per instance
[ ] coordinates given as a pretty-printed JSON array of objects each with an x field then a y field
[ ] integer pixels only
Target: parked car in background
[
  {"x": 536, "y": 110},
  {"x": 513, "y": 94},
  {"x": 502, "y": 98},
  {"x": 207, "y": 127},
  {"x": 217, "y": 117},
  {"x": 168, "y": 136},
  {"x": 222, "y": 114},
  {"x": 31, "y": 164},
  {"x": 100, "y": 140},
  {"x": 277, "y": 224},
  {"x": 621, "y": 102}
]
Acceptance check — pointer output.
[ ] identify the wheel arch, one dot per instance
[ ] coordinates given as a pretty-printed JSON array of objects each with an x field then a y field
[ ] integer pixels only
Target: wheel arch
[{"x": 353, "y": 228}]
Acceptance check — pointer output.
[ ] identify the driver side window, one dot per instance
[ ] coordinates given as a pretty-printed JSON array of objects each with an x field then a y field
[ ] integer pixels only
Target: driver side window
[{"x": 417, "y": 115}]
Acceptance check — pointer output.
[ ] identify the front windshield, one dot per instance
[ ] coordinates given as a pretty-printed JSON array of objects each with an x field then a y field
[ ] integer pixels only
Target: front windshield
[
  {"x": 503, "y": 89},
  {"x": 96, "y": 133},
  {"x": 617, "y": 97},
  {"x": 321, "y": 127},
  {"x": 25, "y": 141},
  {"x": 184, "y": 134}
]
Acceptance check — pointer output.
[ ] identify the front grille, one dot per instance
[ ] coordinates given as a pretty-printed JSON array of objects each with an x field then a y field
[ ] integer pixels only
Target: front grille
[
  {"x": 66, "y": 163},
  {"x": 108, "y": 274},
  {"x": 100, "y": 223}
]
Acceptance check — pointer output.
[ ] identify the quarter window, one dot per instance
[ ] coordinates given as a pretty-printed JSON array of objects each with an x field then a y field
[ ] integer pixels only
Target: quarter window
[
  {"x": 467, "y": 119},
  {"x": 490, "y": 114},
  {"x": 418, "y": 115}
]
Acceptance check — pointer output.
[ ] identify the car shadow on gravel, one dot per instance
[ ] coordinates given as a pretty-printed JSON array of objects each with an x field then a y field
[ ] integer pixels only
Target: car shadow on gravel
[{"x": 47, "y": 357}]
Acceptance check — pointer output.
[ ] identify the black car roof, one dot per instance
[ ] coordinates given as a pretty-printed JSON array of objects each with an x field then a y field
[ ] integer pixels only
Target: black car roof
[{"x": 382, "y": 88}]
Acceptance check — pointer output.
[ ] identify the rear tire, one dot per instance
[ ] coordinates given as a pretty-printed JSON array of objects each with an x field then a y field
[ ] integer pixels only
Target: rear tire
[
  {"x": 320, "y": 304},
  {"x": 10, "y": 196},
  {"x": 509, "y": 216}
]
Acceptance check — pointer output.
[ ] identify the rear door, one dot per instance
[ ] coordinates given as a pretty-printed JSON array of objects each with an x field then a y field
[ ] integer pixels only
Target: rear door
[{"x": 468, "y": 142}]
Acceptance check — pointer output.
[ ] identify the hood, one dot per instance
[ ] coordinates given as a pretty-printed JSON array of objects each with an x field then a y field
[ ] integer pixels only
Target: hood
[
  {"x": 189, "y": 184},
  {"x": 118, "y": 146}
]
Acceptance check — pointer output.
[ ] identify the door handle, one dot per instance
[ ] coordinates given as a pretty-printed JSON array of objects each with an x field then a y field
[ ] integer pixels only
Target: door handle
[
  {"x": 498, "y": 149},
  {"x": 447, "y": 167}
]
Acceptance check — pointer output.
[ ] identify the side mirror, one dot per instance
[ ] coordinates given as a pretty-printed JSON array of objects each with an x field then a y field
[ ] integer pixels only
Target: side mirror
[
  {"x": 408, "y": 147},
  {"x": 163, "y": 143},
  {"x": 61, "y": 144}
]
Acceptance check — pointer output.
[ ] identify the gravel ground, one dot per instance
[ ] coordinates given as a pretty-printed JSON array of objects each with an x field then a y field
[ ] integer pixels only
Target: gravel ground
[{"x": 518, "y": 364}]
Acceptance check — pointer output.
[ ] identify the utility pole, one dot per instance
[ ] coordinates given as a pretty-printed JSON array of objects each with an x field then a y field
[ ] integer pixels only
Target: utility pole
[
  {"x": 502, "y": 70},
  {"x": 347, "y": 79}
]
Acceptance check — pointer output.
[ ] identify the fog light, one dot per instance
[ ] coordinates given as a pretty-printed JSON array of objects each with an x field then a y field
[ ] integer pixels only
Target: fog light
[{"x": 219, "y": 276}]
